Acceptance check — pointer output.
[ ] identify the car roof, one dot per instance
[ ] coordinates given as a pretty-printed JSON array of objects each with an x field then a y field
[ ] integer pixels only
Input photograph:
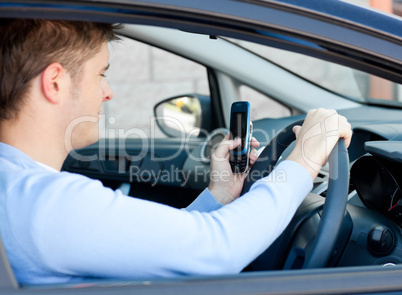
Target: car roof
[
  {"x": 328, "y": 29},
  {"x": 364, "y": 16},
  {"x": 334, "y": 9}
]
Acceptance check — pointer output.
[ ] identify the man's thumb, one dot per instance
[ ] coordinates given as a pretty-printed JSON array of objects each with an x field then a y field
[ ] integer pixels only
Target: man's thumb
[{"x": 296, "y": 130}]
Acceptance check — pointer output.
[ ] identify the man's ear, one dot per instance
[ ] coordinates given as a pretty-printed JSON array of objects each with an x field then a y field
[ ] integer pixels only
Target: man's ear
[{"x": 52, "y": 82}]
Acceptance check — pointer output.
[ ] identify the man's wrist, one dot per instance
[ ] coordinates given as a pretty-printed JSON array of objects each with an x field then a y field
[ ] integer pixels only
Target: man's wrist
[
  {"x": 221, "y": 195},
  {"x": 298, "y": 157}
]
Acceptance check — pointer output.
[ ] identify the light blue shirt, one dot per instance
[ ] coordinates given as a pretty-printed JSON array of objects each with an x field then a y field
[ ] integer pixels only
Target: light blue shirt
[{"x": 60, "y": 227}]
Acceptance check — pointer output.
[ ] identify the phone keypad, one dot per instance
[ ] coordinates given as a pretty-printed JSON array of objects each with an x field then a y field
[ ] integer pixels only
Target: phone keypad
[{"x": 239, "y": 164}]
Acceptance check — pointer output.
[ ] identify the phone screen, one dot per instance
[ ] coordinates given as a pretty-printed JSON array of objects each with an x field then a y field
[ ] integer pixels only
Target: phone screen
[{"x": 238, "y": 128}]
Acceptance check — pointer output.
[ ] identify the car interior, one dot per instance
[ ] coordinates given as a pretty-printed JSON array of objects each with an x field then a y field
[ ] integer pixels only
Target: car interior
[
  {"x": 367, "y": 234},
  {"x": 156, "y": 142}
]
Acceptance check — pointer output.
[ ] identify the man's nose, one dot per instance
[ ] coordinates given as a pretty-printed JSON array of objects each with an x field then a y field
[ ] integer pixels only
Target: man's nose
[{"x": 107, "y": 92}]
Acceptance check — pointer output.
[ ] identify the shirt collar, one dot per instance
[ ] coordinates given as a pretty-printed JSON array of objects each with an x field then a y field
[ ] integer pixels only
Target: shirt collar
[{"x": 46, "y": 167}]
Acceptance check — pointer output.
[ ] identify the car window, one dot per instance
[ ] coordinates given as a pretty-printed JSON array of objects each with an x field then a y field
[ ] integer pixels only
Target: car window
[
  {"x": 348, "y": 82},
  {"x": 140, "y": 76}
]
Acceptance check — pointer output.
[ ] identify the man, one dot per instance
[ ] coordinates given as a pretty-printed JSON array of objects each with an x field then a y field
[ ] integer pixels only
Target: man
[{"x": 60, "y": 227}]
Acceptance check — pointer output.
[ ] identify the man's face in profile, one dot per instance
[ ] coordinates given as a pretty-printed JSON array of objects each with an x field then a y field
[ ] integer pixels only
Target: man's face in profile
[{"x": 87, "y": 93}]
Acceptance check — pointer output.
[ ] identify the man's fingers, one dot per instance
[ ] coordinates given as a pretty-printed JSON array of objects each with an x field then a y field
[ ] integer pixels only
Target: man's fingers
[
  {"x": 225, "y": 146},
  {"x": 347, "y": 135},
  {"x": 234, "y": 143},
  {"x": 345, "y": 130},
  {"x": 255, "y": 143},
  {"x": 253, "y": 156}
]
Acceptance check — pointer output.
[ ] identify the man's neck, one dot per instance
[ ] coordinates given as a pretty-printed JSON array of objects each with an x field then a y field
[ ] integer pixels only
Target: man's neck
[{"x": 41, "y": 145}]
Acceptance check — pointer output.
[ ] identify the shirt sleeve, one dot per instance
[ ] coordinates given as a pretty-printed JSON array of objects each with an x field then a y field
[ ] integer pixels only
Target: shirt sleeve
[
  {"x": 205, "y": 202},
  {"x": 98, "y": 232}
]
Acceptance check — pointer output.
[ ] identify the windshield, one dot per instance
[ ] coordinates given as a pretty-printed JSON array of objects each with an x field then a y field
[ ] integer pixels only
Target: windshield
[{"x": 345, "y": 81}]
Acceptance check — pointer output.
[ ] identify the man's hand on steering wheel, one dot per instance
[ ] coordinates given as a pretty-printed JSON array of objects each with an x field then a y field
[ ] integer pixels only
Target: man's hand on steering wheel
[
  {"x": 316, "y": 138},
  {"x": 224, "y": 185}
]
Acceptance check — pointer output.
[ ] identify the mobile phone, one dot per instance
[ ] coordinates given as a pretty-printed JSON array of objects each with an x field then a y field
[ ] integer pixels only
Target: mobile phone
[{"x": 240, "y": 126}]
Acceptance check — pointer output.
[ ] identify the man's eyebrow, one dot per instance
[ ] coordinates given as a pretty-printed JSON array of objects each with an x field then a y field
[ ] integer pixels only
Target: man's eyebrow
[{"x": 106, "y": 68}]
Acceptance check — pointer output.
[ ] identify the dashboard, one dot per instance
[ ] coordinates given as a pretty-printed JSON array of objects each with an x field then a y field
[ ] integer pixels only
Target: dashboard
[
  {"x": 377, "y": 178},
  {"x": 376, "y": 181},
  {"x": 377, "y": 173}
]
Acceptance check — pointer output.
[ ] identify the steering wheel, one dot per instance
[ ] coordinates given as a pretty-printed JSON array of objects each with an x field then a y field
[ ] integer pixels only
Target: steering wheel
[{"x": 333, "y": 212}]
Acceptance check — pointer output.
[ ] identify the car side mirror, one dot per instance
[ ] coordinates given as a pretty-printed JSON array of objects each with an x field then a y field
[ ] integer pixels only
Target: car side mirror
[{"x": 184, "y": 114}]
